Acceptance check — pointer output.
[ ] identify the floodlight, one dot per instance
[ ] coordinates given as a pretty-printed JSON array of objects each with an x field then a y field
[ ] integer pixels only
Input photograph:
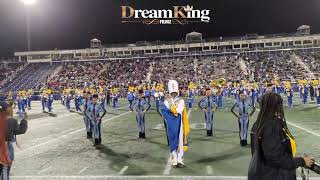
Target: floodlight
[{"x": 28, "y": 2}]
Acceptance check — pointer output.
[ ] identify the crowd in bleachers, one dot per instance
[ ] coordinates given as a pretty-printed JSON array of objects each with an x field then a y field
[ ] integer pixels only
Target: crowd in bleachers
[
  {"x": 312, "y": 60},
  {"x": 8, "y": 71},
  {"x": 124, "y": 72},
  {"x": 121, "y": 73},
  {"x": 183, "y": 70},
  {"x": 75, "y": 74},
  {"x": 264, "y": 66},
  {"x": 218, "y": 67}
]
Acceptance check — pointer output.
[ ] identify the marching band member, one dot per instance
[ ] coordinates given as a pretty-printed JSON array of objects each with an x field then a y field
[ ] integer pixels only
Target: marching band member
[
  {"x": 44, "y": 101},
  {"x": 108, "y": 97},
  {"x": 289, "y": 93},
  {"x": 252, "y": 94},
  {"x": 63, "y": 97},
  {"x": 29, "y": 99},
  {"x": 77, "y": 102},
  {"x": 25, "y": 101},
  {"x": 312, "y": 94},
  {"x": 21, "y": 103},
  {"x": 130, "y": 98},
  {"x": 191, "y": 96},
  {"x": 68, "y": 102},
  {"x": 95, "y": 112},
  {"x": 85, "y": 103},
  {"x": 115, "y": 96},
  {"x": 175, "y": 115},
  {"x": 50, "y": 101},
  {"x": 209, "y": 107},
  {"x": 243, "y": 116},
  {"x": 140, "y": 107},
  {"x": 305, "y": 93},
  {"x": 103, "y": 101},
  {"x": 147, "y": 94},
  {"x": 219, "y": 98}
]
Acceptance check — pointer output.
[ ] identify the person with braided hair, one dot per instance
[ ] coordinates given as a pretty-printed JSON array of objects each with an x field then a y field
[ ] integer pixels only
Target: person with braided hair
[{"x": 274, "y": 148}]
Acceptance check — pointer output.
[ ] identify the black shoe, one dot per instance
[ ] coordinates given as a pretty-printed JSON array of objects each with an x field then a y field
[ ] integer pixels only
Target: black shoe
[
  {"x": 89, "y": 135},
  {"x": 96, "y": 142},
  {"x": 143, "y": 135},
  {"x": 208, "y": 133},
  {"x": 243, "y": 142},
  {"x": 140, "y": 135},
  {"x": 99, "y": 141},
  {"x": 180, "y": 165}
]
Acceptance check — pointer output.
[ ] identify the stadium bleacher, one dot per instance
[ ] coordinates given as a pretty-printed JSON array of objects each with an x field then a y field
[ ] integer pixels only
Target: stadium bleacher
[
  {"x": 30, "y": 77},
  {"x": 258, "y": 66}
]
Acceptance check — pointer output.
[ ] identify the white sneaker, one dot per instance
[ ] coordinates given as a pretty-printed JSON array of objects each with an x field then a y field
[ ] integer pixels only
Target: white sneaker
[
  {"x": 181, "y": 165},
  {"x": 174, "y": 162}
]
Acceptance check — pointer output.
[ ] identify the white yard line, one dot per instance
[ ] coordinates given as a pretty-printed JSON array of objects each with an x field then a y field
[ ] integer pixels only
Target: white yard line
[
  {"x": 209, "y": 170},
  {"x": 304, "y": 129},
  {"x": 168, "y": 166},
  {"x": 66, "y": 135},
  {"x": 138, "y": 177},
  {"x": 44, "y": 170},
  {"x": 82, "y": 170},
  {"x": 300, "y": 127},
  {"x": 123, "y": 170}
]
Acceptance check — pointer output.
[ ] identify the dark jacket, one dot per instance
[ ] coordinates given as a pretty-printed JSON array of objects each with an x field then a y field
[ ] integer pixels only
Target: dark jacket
[
  {"x": 272, "y": 158},
  {"x": 16, "y": 129}
]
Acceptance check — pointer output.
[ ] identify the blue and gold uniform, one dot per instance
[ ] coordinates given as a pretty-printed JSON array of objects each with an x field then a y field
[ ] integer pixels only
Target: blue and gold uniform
[
  {"x": 175, "y": 114},
  {"x": 95, "y": 112},
  {"x": 289, "y": 94},
  {"x": 85, "y": 102},
  {"x": 50, "y": 101},
  {"x": 140, "y": 106},
  {"x": 243, "y": 106},
  {"x": 209, "y": 106}
]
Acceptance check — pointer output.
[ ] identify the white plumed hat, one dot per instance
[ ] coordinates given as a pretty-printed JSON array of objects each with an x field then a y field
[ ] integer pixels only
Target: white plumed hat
[{"x": 173, "y": 86}]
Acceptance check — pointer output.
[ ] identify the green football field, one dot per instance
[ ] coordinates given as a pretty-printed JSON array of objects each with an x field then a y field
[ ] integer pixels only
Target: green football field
[{"x": 55, "y": 146}]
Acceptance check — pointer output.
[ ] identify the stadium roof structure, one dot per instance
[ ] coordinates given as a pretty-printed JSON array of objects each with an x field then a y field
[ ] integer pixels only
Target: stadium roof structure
[
  {"x": 194, "y": 45},
  {"x": 194, "y": 33},
  {"x": 303, "y": 27},
  {"x": 95, "y": 40}
]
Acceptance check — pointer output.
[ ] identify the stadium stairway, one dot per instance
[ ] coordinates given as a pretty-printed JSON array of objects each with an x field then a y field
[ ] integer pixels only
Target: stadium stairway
[
  {"x": 150, "y": 71},
  {"x": 243, "y": 66},
  {"x": 299, "y": 61},
  {"x": 33, "y": 75}
]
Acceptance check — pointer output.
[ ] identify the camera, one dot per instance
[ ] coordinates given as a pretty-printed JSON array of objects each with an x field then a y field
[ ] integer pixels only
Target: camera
[{"x": 315, "y": 168}]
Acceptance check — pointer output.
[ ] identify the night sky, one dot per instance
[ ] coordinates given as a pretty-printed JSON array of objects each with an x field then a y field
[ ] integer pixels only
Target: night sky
[{"x": 70, "y": 24}]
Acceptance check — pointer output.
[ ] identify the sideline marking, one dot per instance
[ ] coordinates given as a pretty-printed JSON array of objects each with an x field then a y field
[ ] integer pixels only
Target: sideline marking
[
  {"x": 82, "y": 170},
  {"x": 300, "y": 127},
  {"x": 138, "y": 177},
  {"x": 123, "y": 170},
  {"x": 209, "y": 170},
  {"x": 44, "y": 170}
]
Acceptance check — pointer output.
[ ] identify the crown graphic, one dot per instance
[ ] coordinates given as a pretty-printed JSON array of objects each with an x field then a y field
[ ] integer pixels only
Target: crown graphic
[{"x": 188, "y": 8}]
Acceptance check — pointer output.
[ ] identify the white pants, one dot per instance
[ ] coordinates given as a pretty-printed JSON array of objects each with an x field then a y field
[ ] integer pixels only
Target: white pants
[{"x": 178, "y": 154}]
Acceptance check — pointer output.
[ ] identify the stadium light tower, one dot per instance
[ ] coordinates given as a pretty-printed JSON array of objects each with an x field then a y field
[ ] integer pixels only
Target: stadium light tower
[{"x": 27, "y": 4}]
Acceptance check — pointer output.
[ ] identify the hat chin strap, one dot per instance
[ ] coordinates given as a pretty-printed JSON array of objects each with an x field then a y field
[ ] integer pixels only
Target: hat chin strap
[{"x": 175, "y": 92}]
